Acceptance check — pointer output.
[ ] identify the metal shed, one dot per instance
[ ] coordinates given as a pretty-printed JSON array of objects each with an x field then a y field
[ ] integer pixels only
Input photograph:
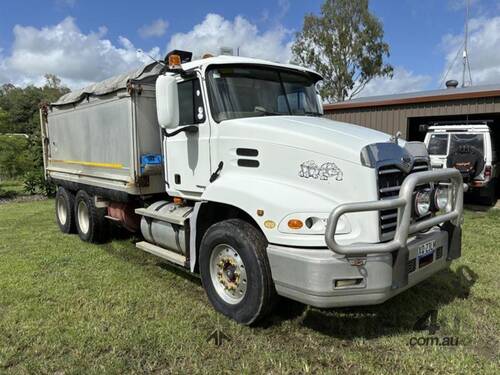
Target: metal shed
[{"x": 406, "y": 112}]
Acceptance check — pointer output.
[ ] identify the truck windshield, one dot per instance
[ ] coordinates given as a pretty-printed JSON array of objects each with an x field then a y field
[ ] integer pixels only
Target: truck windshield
[
  {"x": 467, "y": 139},
  {"x": 249, "y": 91},
  {"x": 438, "y": 144}
]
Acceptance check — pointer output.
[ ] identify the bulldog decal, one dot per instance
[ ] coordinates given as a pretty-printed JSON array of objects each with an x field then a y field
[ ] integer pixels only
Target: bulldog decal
[{"x": 310, "y": 169}]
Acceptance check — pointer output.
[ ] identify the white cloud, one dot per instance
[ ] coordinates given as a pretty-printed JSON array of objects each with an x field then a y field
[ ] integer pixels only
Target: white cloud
[
  {"x": 80, "y": 58},
  {"x": 483, "y": 47},
  {"x": 284, "y": 7},
  {"x": 275, "y": 17},
  {"x": 68, "y": 3},
  {"x": 264, "y": 15},
  {"x": 77, "y": 58},
  {"x": 3, "y": 69},
  {"x": 215, "y": 32},
  {"x": 156, "y": 28},
  {"x": 402, "y": 81},
  {"x": 456, "y": 5}
]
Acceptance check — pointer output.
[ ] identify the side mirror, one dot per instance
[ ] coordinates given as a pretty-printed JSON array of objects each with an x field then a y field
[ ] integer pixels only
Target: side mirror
[{"x": 167, "y": 102}]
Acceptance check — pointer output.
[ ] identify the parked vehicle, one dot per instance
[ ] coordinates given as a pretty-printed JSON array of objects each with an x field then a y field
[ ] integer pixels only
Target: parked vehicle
[
  {"x": 226, "y": 168},
  {"x": 470, "y": 148}
]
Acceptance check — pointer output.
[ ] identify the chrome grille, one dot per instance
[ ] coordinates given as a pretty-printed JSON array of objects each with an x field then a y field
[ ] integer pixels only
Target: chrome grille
[
  {"x": 412, "y": 265},
  {"x": 390, "y": 179},
  {"x": 439, "y": 252}
]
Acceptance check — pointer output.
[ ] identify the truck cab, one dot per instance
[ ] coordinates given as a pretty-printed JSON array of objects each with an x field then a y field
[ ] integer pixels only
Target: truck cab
[
  {"x": 469, "y": 147},
  {"x": 257, "y": 192},
  {"x": 219, "y": 103}
]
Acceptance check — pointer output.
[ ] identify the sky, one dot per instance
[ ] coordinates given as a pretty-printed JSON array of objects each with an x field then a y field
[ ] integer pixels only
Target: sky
[{"x": 88, "y": 41}]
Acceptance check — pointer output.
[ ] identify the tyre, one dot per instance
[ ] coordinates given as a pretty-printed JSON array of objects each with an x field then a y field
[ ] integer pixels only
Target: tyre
[
  {"x": 65, "y": 201},
  {"x": 489, "y": 200},
  {"x": 488, "y": 197},
  {"x": 90, "y": 221},
  {"x": 235, "y": 271},
  {"x": 468, "y": 159}
]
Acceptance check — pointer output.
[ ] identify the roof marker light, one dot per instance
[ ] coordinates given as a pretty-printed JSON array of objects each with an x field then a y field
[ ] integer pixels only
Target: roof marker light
[{"x": 174, "y": 62}]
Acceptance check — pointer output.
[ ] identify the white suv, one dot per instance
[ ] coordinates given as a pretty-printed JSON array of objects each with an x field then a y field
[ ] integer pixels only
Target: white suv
[{"x": 470, "y": 148}]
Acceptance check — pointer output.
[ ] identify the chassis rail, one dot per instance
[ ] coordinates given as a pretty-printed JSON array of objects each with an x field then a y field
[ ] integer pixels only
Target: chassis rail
[{"x": 404, "y": 204}]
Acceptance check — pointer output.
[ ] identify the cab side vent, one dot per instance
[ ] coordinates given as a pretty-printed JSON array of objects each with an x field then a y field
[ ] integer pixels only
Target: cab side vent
[
  {"x": 249, "y": 163},
  {"x": 247, "y": 152}
]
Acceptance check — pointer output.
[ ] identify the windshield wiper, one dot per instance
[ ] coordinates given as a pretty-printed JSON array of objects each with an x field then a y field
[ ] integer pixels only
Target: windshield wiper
[
  {"x": 266, "y": 112},
  {"x": 302, "y": 112},
  {"x": 311, "y": 113}
]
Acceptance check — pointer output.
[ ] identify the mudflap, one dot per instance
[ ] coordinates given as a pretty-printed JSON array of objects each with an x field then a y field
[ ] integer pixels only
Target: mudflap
[
  {"x": 454, "y": 240},
  {"x": 400, "y": 268}
]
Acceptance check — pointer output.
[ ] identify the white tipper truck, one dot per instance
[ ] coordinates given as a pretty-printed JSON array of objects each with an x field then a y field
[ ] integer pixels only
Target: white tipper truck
[{"x": 227, "y": 169}]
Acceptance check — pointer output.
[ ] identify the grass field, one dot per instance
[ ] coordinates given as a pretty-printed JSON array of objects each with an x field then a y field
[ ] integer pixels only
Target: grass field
[{"x": 71, "y": 307}]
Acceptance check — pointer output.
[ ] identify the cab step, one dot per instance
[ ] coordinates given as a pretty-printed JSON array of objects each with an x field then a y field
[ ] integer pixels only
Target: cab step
[
  {"x": 166, "y": 211},
  {"x": 169, "y": 255}
]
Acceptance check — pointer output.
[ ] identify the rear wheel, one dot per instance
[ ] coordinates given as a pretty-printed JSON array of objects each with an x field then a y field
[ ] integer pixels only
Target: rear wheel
[
  {"x": 90, "y": 221},
  {"x": 65, "y": 210},
  {"x": 235, "y": 271},
  {"x": 489, "y": 195}
]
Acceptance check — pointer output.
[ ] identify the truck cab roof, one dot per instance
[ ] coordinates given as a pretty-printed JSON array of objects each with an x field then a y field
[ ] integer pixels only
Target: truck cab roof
[
  {"x": 203, "y": 64},
  {"x": 149, "y": 73}
]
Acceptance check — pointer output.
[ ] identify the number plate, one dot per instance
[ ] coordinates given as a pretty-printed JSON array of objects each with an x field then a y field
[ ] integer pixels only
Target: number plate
[{"x": 426, "y": 249}]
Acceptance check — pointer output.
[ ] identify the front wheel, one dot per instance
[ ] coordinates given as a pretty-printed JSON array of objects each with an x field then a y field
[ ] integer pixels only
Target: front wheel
[{"x": 235, "y": 271}]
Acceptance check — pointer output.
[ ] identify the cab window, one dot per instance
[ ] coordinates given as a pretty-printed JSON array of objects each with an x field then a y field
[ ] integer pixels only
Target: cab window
[
  {"x": 438, "y": 144},
  {"x": 300, "y": 95},
  {"x": 241, "y": 91},
  {"x": 191, "y": 109},
  {"x": 467, "y": 139}
]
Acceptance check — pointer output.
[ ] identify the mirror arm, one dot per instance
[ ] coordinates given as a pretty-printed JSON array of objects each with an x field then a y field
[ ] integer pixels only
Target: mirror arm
[
  {"x": 188, "y": 74},
  {"x": 192, "y": 129},
  {"x": 183, "y": 73}
]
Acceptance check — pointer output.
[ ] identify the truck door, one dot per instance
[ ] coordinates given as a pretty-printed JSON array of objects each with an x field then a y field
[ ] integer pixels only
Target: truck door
[{"x": 187, "y": 154}]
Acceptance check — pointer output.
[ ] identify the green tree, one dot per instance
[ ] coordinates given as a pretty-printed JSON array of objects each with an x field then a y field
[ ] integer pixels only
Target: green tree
[
  {"x": 52, "y": 81},
  {"x": 22, "y": 104},
  {"x": 15, "y": 158},
  {"x": 345, "y": 45},
  {"x": 19, "y": 113},
  {"x": 4, "y": 122}
]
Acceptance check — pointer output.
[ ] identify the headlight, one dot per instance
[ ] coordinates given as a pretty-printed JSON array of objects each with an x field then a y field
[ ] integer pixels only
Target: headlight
[
  {"x": 441, "y": 197},
  {"x": 423, "y": 202}
]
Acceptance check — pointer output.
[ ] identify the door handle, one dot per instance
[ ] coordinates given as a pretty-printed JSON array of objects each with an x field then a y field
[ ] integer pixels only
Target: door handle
[{"x": 192, "y": 129}]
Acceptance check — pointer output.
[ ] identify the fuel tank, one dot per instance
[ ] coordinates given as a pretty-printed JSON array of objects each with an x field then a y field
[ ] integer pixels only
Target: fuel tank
[{"x": 164, "y": 224}]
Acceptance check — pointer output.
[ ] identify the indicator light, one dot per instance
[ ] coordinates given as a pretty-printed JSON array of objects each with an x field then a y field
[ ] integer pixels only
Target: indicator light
[{"x": 295, "y": 224}]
